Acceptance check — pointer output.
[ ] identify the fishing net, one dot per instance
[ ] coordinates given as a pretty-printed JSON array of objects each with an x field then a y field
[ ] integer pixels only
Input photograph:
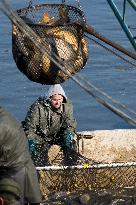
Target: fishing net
[
  {"x": 87, "y": 177},
  {"x": 59, "y": 27}
]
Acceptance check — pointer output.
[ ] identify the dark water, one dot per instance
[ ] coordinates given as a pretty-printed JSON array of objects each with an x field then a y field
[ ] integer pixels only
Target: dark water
[{"x": 104, "y": 70}]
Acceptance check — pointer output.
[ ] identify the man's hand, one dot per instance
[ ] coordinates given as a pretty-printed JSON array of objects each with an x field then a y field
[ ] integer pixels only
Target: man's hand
[{"x": 68, "y": 139}]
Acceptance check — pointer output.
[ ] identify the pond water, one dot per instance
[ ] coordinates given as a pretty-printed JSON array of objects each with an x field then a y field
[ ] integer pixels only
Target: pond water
[{"x": 105, "y": 71}]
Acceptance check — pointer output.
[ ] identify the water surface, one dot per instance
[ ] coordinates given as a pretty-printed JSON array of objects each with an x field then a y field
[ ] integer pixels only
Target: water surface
[{"x": 104, "y": 70}]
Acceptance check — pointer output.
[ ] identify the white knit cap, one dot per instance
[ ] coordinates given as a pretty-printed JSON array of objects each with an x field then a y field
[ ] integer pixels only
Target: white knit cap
[{"x": 56, "y": 89}]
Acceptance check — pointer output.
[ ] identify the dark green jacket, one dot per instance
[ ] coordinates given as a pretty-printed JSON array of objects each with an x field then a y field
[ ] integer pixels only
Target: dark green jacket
[
  {"x": 14, "y": 154},
  {"x": 43, "y": 120}
]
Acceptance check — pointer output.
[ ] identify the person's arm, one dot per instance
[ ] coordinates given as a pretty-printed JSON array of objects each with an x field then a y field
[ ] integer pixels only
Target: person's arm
[
  {"x": 32, "y": 121},
  {"x": 69, "y": 126},
  {"x": 69, "y": 120}
]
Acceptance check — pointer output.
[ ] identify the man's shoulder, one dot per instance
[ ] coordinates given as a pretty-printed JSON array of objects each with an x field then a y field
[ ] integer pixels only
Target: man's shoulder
[
  {"x": 69, "y": 102},
  {"x": 37, "y": 101},
  {"x": 40, "y": 102}
]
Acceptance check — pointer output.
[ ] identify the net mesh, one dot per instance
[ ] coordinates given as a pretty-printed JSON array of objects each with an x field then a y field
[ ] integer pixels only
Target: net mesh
[
  {"x": 56, "y": 25},
  {"x": 89, "y": 176}
]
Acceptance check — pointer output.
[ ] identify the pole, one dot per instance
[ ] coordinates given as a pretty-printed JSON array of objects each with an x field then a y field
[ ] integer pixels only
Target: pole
[{"x": 92, "y": 31}]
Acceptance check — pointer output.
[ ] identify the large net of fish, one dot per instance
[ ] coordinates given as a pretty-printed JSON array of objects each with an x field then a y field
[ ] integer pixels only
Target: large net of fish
[{"x": 58, "y": 26}]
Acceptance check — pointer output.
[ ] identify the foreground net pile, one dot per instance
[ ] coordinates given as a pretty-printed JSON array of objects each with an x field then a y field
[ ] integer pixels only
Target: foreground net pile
[
  {"x": 87, "y": 177},
  {"x": 56, "y": 25},
  {"x": 126, "y": 196}
]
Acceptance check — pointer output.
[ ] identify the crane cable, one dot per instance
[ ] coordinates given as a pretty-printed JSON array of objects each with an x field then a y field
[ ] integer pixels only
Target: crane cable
[
  {"x": 107, "y": 96},
  {"x": 90, "y": 30},
  {"x": 42, "y": 45},
  {"x": 110, "y": 50}
]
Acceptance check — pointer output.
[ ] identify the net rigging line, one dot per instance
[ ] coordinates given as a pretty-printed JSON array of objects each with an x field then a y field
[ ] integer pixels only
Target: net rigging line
[
  {"x": 90, "y": 30},
  {"x": 110, "y": 50},
  {"x": 97, "y": 166},
  {"x": 42, "y": 45},
  {"x": 106, "y": 95}
]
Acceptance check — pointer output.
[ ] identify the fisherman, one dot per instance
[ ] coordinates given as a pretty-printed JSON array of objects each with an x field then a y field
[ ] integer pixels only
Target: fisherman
[
  {"x": 50, "y": 121},
  {"x": 15, "y": 160}
]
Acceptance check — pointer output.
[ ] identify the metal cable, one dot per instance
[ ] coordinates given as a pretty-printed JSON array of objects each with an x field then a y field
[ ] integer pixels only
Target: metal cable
[
  {"x": 106, "y": 95},
  {"x": 90, "y": 30},
  {"x": 110, "y": 50}
]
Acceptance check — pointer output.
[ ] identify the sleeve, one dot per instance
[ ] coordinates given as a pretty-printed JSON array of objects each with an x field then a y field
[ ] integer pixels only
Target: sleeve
[
  {"x": 69, "y": 123},
  {"x": 32, "y": 121}
]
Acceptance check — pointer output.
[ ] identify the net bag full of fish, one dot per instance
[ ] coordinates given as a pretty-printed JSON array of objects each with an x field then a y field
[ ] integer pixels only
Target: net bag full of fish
[{"x": 59, "y": 27}]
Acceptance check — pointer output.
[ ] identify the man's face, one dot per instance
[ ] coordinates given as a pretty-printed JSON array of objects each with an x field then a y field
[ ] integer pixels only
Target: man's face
[{"x": 56, "y": 100}]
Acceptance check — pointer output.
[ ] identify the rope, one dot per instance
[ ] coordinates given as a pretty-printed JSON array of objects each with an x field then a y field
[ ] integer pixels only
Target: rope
[
  {"x": 90, "y": 166},
  {"x": 43, "y": 46},
  {"x": 90, "y": 30},
  {"x": 109, "y": 97},
  {"x": 106, "y": 104},
  {"x": 78, "y": 4},
  {"x": 110, "y": 50},
  {"x": 30, "y": 4}
]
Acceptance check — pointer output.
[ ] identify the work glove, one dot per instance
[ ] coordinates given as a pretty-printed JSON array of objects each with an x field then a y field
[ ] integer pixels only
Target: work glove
[{"x": 68, "y": 139}]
